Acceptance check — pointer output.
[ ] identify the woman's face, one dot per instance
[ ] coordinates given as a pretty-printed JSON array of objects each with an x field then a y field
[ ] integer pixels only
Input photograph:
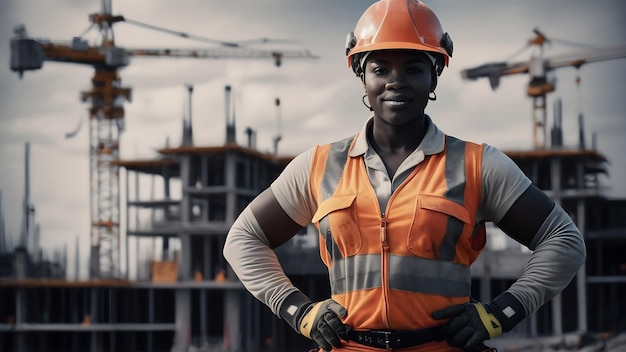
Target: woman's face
[{"x": 397, "y": 83}]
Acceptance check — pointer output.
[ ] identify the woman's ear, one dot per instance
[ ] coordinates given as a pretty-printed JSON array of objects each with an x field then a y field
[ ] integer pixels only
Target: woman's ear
[{"x": 362, "y": 77}]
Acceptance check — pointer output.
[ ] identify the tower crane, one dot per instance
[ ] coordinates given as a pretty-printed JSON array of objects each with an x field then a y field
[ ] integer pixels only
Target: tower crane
[
  {"x": 106, "y": 114},
  {"x": 541, "y": 80}
]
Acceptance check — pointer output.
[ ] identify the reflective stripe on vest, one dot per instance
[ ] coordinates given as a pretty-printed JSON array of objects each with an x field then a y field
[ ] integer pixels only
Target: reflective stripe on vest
[
  {"x": 334, "y": 168},
  {"x": 407, "y": 273},
  {"x": 412, "y": 274},
  {"x": 455, "y": 179}
]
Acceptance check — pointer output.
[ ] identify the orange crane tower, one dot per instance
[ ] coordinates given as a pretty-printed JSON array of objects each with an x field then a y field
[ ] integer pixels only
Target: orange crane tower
[
  {"x": 106, "y": 114},
  {"x": 541, "y": 81}
]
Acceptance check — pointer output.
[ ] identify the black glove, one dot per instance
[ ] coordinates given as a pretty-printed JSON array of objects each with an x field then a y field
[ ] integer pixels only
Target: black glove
[
  {"x": 472, "y": 323},
  {"x": 319, "y": 321}
]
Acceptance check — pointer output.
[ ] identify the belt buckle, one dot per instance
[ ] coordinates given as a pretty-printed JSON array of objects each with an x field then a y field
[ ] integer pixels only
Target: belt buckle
[
  {"x": 387, "y": 334},
  {"x": 387, "y": 339}
]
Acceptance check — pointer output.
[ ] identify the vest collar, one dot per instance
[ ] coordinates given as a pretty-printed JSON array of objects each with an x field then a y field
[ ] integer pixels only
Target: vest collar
[{"x": 432, "y": 143}]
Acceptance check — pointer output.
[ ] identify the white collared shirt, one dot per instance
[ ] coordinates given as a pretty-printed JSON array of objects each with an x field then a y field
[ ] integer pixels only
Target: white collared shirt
[
  {"x": 502, "y": 180},
  {"x": 384, "y": 184}
]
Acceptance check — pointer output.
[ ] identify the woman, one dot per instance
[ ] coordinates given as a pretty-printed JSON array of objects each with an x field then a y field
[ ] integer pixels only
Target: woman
[{"x": 401, "y": 209}]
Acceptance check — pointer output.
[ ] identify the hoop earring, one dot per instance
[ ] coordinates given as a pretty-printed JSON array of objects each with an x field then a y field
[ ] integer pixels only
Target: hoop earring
[
  {"x": 432, "y": 96},
  {"x": 364, "y": 103}
]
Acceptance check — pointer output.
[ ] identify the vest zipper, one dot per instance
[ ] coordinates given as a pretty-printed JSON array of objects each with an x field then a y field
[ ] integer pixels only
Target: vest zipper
[
  {"x": 384, "y": 255},
  {"x": 384, "y": 267}
]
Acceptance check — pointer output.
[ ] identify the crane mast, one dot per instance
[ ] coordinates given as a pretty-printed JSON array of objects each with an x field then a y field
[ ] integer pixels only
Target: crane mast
[
  {"x": 106, "y": 115},
  {"x": 541, "y": 82}
]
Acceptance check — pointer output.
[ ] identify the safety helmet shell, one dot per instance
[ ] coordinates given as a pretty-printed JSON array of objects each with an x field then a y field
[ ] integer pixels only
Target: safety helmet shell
[{"x": 398, "y": 24}]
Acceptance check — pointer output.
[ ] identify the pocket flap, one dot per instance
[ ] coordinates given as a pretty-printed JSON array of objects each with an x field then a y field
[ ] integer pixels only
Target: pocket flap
[
  {"x": 444, "y": 205},
  {"x": 333, "y": 203}
]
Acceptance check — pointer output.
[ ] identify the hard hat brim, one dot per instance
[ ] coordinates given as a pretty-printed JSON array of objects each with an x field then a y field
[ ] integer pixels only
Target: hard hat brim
[{"x": 395, "y": 45}]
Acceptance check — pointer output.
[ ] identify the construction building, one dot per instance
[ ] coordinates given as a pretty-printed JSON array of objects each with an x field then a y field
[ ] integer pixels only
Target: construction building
[{"x": 190, "y": 300}]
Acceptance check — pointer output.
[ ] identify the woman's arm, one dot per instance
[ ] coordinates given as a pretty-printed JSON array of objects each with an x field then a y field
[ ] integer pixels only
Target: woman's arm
[
  {"x": 529, "y": 216},
  {"x": 558, "y": 247},
  {"x": 265, "y": 225},
  {"x": 249, "y": 249}
]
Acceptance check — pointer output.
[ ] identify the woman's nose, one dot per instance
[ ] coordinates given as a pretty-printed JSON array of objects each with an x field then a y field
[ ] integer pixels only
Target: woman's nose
[{"x": 396, "y": 80}]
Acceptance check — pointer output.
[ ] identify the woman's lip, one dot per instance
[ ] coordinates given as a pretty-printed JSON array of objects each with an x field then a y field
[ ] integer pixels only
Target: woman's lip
[
  {"x": 395, "y": 103},
  {"x": 398, "y": 98}
]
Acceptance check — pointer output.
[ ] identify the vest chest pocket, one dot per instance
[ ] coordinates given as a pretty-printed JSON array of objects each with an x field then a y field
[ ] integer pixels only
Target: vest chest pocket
[
  {"x": 437, "y": 225},
  {"x": 339, "y": 225}
]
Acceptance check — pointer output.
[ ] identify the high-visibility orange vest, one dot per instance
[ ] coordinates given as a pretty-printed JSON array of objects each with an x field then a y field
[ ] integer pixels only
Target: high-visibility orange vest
[{"x": 391, "y": 268}]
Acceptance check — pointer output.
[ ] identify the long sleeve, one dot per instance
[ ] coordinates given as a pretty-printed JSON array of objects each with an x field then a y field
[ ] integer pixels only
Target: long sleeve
[
  {"x": 558, "y": 246},
  {"x": 558, "y": 253},
  {"x": 255, "y": 263},
  {"x": 247, "y": 249}
]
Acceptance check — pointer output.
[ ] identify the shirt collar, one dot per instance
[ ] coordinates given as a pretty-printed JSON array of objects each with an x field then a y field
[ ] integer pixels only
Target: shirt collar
[{"x": 432, "y": 143}]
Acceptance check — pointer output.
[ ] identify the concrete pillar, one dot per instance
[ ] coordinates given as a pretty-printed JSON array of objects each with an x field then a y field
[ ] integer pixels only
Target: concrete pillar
[
  {"x": 95, "y": 344},
  {"x": 149, "y": 334},
  {"x": 581, "y": 277},
  {"x": 232, "y": 313},
  {"x": 533, "y": 325},
  {"x": 182, "y": 337},
  {"x": 126, "y": 226},
  {"x": 20, "y": 318},
  {"x": 208, "y": 271},
  {"x": 20, "y": 263},
  {"x": 20, "y": 268},
  {"x": 555, "y": 185},
  {"x": 230, "y": 173},
  {"x": 557, "y": 315},
  {"x": 232, "y": 299},
  {"x": 204, "y": 340},
  {"x": 485, "y": 280},
  {"x": 94, "y": 257}
]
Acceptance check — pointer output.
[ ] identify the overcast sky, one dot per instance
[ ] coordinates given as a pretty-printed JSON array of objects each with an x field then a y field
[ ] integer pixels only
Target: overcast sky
[{"x": 320, "y": 99}]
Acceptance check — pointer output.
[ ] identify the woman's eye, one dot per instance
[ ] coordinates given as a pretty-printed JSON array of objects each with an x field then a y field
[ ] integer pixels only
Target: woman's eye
[
  {"x": 380, "y": 71},
  {"x": 414, "y": 70}
]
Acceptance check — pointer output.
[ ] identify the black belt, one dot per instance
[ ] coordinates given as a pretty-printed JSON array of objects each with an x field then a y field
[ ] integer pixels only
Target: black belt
[{"x": 391, "y": 340}]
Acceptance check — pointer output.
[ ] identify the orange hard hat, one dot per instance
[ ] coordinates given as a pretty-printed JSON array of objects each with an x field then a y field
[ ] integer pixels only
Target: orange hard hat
[{"x": 398, "y": 24}]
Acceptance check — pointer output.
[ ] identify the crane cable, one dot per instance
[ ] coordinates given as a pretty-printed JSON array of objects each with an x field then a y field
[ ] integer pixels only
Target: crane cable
[
  {"x": 521, "y": 50},
  {"x": 559, "y": 41},
  {"x": 235, "y": 44},
  {"x": 575, "y": 44}
]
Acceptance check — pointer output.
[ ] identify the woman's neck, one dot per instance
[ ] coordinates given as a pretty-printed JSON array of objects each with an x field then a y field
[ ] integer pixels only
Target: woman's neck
[
  {"x": 395, "y": 143},
  {"x": 394, "y": 139}
]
